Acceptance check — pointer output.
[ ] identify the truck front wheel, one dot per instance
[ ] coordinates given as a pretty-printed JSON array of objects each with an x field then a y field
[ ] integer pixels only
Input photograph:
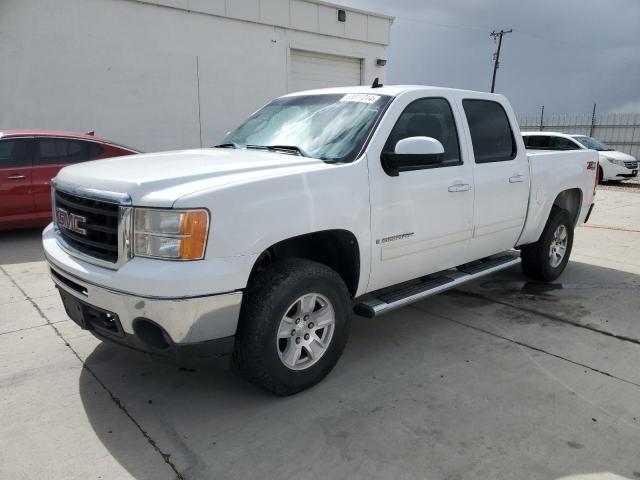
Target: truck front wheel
[
  {"x": 293, "y": 327},
  {"x": 546, "y": 259}
]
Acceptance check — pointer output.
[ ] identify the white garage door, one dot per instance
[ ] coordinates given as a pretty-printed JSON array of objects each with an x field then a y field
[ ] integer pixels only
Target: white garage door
[{"x": 311, "y": 70}]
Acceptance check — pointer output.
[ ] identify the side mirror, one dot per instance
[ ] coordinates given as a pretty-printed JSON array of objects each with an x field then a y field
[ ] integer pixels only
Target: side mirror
[
  {"x": 419, "y": 146},
  {"x": 411, "y": 154}
]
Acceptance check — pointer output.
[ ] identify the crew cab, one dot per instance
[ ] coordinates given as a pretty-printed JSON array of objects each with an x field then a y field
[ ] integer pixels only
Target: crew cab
[
  {"x": 29, "y": 159},
  {"x": 612, "y": 165},
  {"x": 321, "y": 204}
]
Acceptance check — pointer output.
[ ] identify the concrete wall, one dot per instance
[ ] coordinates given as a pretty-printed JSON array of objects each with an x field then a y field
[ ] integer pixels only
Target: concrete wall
[{"x": 130, "y": 70}]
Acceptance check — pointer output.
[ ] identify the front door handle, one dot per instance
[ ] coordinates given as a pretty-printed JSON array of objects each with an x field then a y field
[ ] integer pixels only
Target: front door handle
[
  {"x": 460, "y": 187},
  {"x": 16, "y": 177},
  {"x": 516, "y": 178}
]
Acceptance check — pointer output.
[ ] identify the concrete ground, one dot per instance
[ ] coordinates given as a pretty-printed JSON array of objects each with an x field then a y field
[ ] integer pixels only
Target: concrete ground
[{"x": 503, "y": 379}]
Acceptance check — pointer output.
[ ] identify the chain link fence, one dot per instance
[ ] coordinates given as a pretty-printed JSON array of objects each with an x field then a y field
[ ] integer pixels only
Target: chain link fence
[{"x": 620, "y": 131}]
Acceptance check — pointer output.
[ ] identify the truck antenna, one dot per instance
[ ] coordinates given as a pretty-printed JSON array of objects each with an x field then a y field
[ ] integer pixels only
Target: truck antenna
[{"x": 376, "y": 83}]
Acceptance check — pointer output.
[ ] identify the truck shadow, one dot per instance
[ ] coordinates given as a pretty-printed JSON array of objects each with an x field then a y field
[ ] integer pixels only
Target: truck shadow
[
  {"x": 21, "y": 246},
  {"x": 214, "y": 424}
]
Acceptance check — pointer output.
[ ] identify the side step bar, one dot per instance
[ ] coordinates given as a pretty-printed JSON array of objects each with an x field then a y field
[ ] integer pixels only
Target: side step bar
[{"x": 376, "y": 303}]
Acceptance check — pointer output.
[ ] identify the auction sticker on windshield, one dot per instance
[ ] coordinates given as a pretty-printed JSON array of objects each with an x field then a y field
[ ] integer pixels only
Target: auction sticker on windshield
[{"x": 360, "y": 97}]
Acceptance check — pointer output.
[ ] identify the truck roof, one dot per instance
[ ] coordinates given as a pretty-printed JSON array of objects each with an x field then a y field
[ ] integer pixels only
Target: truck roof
[
  {"x": 391, "y": 90},
  {"x": 50, "y": 133},
  {"x": 553, "y": 134}
]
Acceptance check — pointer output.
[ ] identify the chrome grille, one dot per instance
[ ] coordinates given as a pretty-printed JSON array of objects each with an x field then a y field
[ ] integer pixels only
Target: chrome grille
[
  {"x": 97, "y": 232},
  {"x": 631, "y": 165}
]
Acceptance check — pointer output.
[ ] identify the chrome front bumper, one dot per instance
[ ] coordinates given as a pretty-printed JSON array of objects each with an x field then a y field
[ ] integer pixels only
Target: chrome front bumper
[{"x": 186, "y": 320}]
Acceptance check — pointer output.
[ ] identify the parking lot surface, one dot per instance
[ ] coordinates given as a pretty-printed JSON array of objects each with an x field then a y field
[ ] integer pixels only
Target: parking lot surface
[{"x": 502, "y": 379}]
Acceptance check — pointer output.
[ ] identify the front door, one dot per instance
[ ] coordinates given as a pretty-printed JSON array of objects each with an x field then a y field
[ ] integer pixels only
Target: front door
[
  {"x": 16, "y": 199},
  {"x": 421, "y": 220},
  {"x": 501, "y": 177}
]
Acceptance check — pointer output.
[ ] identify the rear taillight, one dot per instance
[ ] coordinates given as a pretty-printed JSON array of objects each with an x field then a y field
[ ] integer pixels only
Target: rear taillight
[{"x": 594, "y": 166}]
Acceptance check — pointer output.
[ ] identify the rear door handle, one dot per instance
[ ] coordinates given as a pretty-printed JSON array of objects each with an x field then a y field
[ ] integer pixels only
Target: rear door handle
[
  {"x": 516, "y": 178},
  {"x": 16, "y": 177},
  {"x": 460, "y": 187}
]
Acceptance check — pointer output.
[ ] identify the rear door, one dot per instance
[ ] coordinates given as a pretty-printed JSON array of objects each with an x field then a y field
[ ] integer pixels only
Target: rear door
[
  {"x": 501, "y": 177},
  {"x": 16, "y": 200},
  {"x": 52, "y": 154}
]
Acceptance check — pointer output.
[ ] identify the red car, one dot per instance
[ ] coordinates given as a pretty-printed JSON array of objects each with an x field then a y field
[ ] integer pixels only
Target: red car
[{"x": 29, "y": 159}]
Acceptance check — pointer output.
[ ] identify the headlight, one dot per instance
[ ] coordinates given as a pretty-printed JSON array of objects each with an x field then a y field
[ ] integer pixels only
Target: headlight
[
  {"x": 616, "y": 162},
  {"x": 170, "y": 234}
]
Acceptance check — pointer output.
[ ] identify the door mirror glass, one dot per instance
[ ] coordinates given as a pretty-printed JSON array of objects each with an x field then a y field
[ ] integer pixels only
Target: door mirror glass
[{"x": 413, "y": 153}]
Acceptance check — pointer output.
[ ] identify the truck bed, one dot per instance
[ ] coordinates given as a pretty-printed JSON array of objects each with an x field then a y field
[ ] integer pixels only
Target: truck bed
[{"x": 554, "y": 171}]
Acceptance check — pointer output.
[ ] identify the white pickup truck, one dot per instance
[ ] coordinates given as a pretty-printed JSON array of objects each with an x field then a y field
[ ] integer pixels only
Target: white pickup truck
[{"x": 320, "y": 204}]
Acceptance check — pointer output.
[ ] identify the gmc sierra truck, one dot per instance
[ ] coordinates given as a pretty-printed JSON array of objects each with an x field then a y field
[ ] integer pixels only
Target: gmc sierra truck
[{"x": 321, "y": 204}]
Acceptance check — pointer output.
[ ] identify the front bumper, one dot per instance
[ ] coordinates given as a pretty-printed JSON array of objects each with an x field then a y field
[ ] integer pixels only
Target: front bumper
[
  {"x": 614, "y": 171},
  {"x": 178, "y": 327}
]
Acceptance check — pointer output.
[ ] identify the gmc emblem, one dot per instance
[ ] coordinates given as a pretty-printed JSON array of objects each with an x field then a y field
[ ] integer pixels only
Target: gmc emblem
[{"x": 70, "y": 221}]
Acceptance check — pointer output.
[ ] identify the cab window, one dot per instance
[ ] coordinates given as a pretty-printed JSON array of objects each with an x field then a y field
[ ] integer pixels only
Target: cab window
[
  {"x": 490, "y": 130},
  {"x": 428, "y": 117}
]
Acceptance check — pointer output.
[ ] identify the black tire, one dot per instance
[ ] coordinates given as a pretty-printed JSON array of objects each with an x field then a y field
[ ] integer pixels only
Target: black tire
[
  {"x": 536, "y": 262},
  {"x": 267, "y": 298},
  {"x": 600, "y": 175}
]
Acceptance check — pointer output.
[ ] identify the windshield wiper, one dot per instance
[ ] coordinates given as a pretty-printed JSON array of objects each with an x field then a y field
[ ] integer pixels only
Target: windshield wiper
[
  {"x": 281, "y": 148},
  {"x": 227, "y": 145}
]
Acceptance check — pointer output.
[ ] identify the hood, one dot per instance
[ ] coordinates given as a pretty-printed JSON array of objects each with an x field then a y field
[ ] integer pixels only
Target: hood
[
  {"x": 159, "y": 179},
  {"x": 614, "y": 154}
]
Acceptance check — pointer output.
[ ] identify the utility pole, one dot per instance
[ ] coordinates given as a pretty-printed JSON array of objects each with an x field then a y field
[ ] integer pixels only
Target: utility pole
[
  {"x": 496, "y": 56},
  {"x": 593, "y": 121},
  {"x": 542, "y": 118}
]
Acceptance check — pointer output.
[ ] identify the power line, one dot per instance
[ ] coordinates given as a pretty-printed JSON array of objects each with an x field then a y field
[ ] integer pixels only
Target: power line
[
  {"x": 575, "y": 48},
  {"x": 496, "y": 56}
]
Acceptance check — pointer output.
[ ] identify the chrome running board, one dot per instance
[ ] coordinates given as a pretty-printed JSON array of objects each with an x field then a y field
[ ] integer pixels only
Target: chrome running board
[{"x": 385, "y": 300}]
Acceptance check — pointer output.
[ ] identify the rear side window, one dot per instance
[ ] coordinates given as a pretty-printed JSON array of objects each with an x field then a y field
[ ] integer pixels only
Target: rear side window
[
  {"x": 490, "y": 130},
  {"x": 95, "y": 150},
  {"x": 537, "y": 141},
  {"x": 56, "y": 150},
  {"x": 561, "y": 143},
  {"x": 428, "y": 117},
  {"x": 14, "y": 153}
]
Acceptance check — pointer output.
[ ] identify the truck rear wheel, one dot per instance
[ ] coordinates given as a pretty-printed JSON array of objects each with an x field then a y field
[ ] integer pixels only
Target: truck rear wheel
[
  {"x": 546, "y": 259},
  {"x": 294, "y": 325}
]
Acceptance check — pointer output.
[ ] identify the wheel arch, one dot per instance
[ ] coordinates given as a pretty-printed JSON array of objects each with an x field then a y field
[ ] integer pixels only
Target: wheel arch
[
  {"x": 338, "y": 249},
  {"x": 571, "y": 201}
]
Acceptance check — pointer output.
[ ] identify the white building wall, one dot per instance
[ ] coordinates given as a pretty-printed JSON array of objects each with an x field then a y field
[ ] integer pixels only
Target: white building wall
[{"x": 130, "y": 70}]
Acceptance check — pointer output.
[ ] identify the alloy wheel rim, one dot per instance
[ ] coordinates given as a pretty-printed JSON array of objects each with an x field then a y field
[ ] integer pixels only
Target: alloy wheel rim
[
  {"x": 558, "y": 247},
  {"x": 305, "y": 331}
]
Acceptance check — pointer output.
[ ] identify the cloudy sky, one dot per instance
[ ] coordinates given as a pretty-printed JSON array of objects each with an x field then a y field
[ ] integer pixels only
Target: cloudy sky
[{"x": 564, "y": 54}]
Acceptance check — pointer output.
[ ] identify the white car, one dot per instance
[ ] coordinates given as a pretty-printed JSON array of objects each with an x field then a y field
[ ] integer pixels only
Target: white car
[
  {"x": 320, "y": 204},
  {"x": 613, "y": 165}
]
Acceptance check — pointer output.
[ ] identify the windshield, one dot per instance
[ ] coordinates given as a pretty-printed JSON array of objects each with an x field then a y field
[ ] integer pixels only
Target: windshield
[
  {"x": 592, "y": 143},
  {"x": 330, "y": 127}
]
